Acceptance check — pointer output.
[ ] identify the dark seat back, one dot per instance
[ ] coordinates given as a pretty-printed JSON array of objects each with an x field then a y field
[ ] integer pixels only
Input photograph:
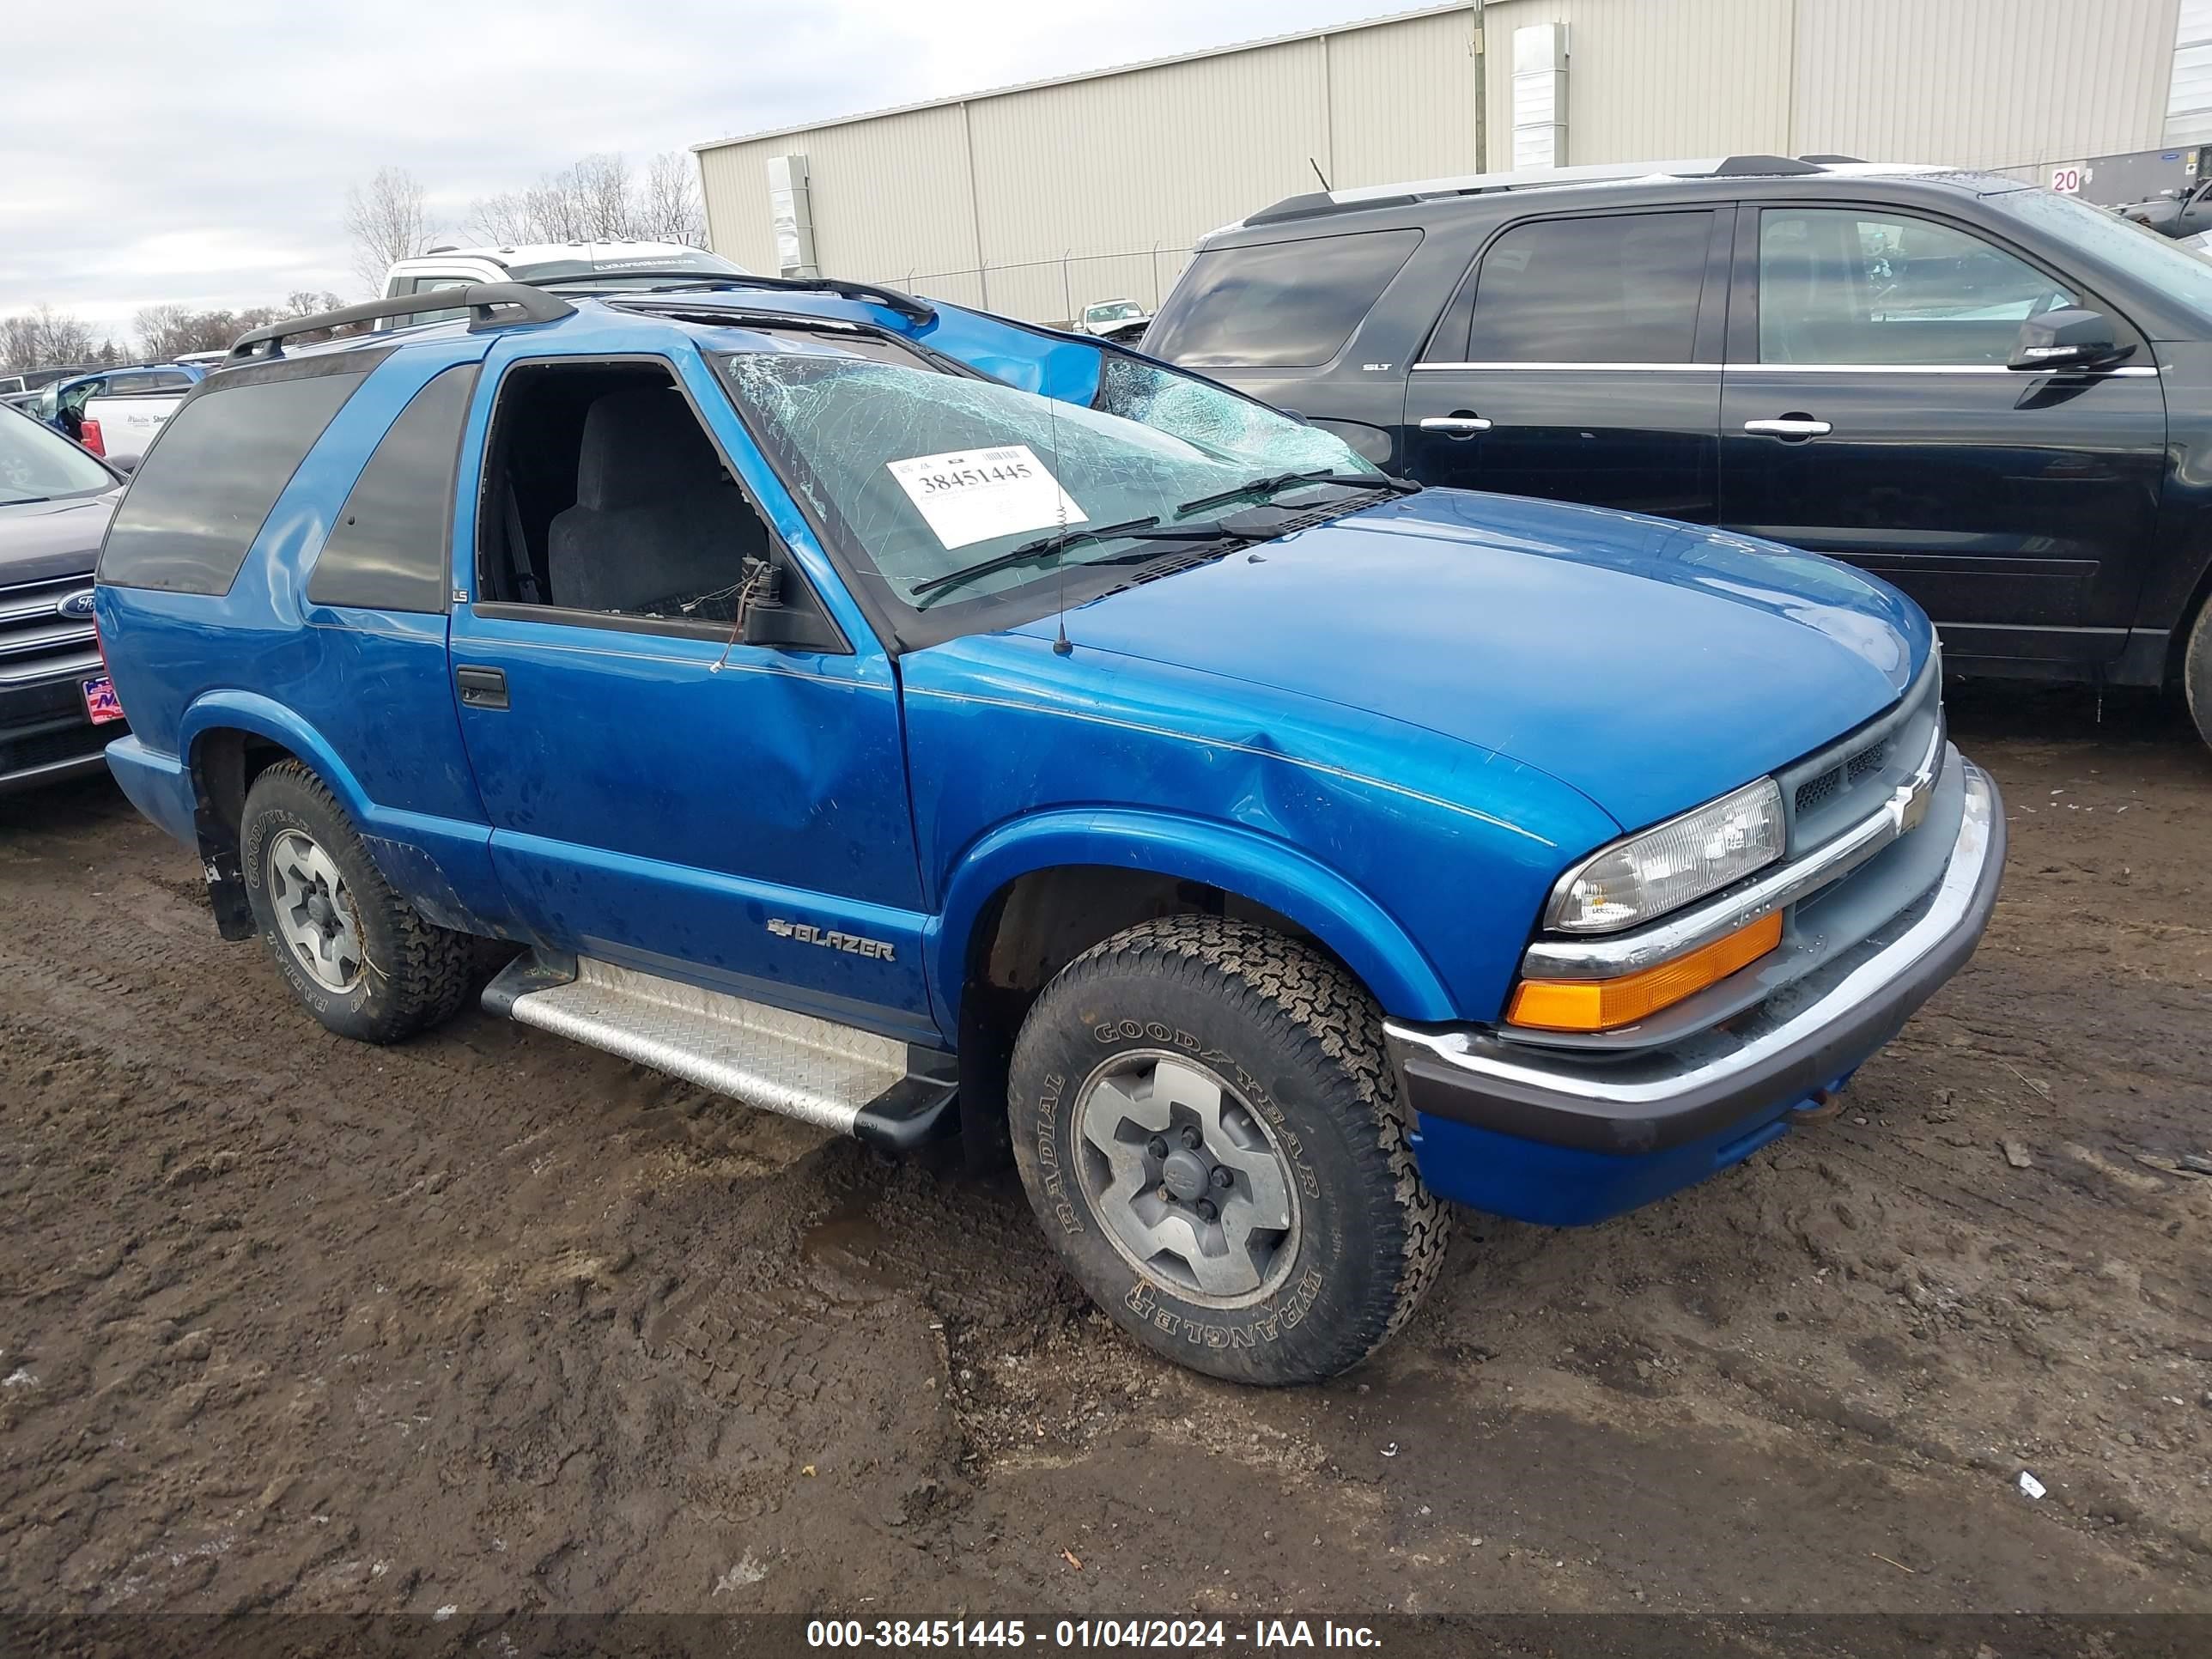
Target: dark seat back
[{"x": 656, "y": 522}]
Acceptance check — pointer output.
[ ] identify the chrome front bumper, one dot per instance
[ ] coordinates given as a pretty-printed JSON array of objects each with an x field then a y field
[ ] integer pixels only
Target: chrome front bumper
[{"x": 1804, "y": 1037}]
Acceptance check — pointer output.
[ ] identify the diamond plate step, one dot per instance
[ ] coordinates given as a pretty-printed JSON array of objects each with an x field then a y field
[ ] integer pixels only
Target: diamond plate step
[{"x": 836, "y": 1076}]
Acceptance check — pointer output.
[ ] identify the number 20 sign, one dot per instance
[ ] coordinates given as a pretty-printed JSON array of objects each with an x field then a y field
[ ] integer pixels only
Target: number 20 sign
[{"x": 2067, "y": 181}]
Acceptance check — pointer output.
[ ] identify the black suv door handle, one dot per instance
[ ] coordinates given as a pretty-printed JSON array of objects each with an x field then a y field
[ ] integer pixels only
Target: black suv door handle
[
  {"x": 1789, "y": 426},
  {"x": 481, "y": 688},
  {"x": 1460, "y": 425}
]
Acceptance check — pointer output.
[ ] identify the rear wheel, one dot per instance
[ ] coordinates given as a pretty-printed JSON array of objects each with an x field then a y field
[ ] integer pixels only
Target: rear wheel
[
  {"x": 363, "y": 960},
  {"x": 1207, "y": 1129},
  {"x": 2197, "y": 670}
]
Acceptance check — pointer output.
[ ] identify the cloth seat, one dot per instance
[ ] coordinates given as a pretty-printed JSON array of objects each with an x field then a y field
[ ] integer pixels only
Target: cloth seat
[{"x": 656, "y": 522}]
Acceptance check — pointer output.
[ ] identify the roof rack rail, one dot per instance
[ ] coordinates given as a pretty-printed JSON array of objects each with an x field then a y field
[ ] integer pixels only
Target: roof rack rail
[
  {"x": 905, "y": 304},
  {"x": 485, "y": 300},
  {"x": 1312, "y": 203},
  {"x": 1745, "y": 167}
]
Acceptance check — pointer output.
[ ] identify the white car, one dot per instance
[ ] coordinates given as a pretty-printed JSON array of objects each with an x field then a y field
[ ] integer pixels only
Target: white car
[
  {"x": 570, "y": 267},
  {"x": 1116, "y": 319}
]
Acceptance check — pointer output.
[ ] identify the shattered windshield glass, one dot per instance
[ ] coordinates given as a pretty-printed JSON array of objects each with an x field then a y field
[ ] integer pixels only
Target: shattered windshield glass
[{"x": 932, "y": 472}]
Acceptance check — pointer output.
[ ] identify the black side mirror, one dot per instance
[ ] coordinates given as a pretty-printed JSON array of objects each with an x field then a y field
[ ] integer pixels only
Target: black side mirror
[
  {"x": 796, "y": 623},
  {"x": 2069, "y": 338}
]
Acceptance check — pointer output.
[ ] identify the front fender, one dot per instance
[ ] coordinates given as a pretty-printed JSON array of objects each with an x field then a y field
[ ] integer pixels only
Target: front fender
[{"x": 1368, "y": 939}]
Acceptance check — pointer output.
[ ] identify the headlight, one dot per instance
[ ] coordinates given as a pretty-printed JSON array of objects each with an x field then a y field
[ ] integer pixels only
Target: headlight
[{"x": 1666, "y": 868}]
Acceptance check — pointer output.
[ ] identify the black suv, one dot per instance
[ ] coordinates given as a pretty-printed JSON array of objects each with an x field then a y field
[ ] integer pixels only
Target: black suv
[{"x": 1998, "y": 398}]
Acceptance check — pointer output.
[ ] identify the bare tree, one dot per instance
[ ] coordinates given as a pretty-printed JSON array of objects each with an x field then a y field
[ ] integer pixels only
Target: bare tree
[
  {"x": 387, "y": 223},
  {"x": 163, "y": 330},
  {"x": 46, "y": 338},
  {"x": 503, "y": 220},
  {"x": 166, "y": 332},
  {"x": 668, "y": 206},
  {"x": 598, "y": 199}
]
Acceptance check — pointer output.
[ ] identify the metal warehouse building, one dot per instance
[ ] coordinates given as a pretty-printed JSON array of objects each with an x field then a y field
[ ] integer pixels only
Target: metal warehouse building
[{"x": 1035, "y": 200}]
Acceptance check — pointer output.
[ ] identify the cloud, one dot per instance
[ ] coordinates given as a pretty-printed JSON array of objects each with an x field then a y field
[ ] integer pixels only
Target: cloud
[{"x": 201, "y": 154}]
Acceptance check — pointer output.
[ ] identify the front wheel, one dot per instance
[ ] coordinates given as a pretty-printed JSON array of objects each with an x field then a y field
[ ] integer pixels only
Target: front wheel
[{"x": 1207, "y": 1128}]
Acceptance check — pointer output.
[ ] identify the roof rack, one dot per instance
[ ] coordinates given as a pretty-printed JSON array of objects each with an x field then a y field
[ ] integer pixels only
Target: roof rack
[
  {"x": 485, "y": 300},
  {"x": 1314, "y": 202},
  {"x": 905, "y": 304}
]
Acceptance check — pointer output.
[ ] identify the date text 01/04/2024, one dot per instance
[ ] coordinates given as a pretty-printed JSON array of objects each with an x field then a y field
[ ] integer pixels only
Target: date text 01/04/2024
[{"x": 1093, "y": 1635}]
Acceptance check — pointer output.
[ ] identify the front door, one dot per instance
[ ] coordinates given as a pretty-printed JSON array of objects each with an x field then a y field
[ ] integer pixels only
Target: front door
[
  {"x": 1867, "y": 412},
  {"x": 660, "y": 793},
  {"x": 1580, "y": 360}
]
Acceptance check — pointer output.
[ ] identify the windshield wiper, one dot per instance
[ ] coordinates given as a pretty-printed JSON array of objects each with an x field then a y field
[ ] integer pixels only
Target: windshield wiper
[
  {"x": 1275, "y": 481},
  {"x": 1147, "y": 529},
  {"x": 1033, "y": 549}
]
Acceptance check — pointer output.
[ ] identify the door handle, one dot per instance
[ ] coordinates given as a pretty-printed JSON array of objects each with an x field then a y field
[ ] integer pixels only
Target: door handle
[
  {"x": 481, "y": 688},
  {"x": 1461, "y": 425},
  {"x": 1789, "y": 426}
]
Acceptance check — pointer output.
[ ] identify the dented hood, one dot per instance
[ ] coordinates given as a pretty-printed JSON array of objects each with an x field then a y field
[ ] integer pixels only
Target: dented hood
[{"x": 1649, "y": 665}]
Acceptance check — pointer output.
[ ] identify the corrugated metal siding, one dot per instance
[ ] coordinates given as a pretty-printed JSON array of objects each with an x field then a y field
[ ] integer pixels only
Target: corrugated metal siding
[
  {"x": 1405, "y": 101},
  {"x": 1653, "y": 80},
  {"x": 1093, "y": 167},
  {"x": 1981, "y": 82},
  {"x": 2188, "y": 102},
  {"x": 1073, "y": 184},
  {"x": 889, "y": 197}
]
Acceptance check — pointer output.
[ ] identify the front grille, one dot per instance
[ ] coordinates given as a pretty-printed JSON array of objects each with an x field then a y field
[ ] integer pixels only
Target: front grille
[
  {"x": 1834, "y": 787},
  {"x": 1825, "y": 786},
  {"x": 1813, "y": 791},
  {"x": 1868, "y": 759},
  {"x": 49, "y": 748},
  {"x": 37, "y": 642}
]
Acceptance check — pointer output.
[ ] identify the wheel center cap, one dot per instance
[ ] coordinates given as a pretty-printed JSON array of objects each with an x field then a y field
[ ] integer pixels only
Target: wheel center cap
[
  {"x": 1184, "y": 1174},
  {"x": 319, "y": 910}
]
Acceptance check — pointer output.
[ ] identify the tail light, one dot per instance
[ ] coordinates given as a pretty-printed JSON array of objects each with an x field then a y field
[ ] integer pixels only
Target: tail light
[{"x": 90, "y": 438}]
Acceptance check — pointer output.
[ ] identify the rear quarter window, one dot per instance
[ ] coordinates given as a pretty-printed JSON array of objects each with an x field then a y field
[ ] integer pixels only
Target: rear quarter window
[
  {"x": 390, "y": 549},
  {"x": 1288, "y": 305},
  {"x": 200, "y": 496}
]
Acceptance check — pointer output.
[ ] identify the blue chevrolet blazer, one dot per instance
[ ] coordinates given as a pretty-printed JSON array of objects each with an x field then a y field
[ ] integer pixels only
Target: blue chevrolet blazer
[{"x": 911, "y": 720}]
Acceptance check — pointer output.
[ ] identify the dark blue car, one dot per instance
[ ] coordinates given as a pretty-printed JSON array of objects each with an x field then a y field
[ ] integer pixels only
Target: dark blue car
[{"x": 901, "y": 718}]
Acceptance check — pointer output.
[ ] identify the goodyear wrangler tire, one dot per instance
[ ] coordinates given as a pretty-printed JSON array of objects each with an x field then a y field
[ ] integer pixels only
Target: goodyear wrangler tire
[
  {"x": 363, "y": 960},
  {"x": 1208, "y": 1130}
]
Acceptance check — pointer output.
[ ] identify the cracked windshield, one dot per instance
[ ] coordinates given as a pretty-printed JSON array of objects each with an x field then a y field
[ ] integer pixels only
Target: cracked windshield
[{"x": 935, "y": 476}]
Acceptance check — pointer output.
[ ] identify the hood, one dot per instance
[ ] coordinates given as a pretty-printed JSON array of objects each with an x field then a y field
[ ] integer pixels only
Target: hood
[
  {"x": 1649, "y": 665},
  {"x": 42, "y": 540}
]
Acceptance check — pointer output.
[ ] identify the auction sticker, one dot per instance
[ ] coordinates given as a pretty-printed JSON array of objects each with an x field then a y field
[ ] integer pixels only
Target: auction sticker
[{"x": 973, "y": 495}]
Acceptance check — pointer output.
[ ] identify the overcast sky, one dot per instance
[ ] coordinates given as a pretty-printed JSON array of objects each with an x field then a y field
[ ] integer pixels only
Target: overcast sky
[{"x": 201, "y": 152}]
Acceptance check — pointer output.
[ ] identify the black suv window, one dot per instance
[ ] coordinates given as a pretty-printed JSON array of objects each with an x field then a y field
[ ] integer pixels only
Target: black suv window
[
  {"x": 1291, "y": 305},
  {"x": 388, "y": 551},
  {"x": 1867, "y": 286},
  {"x": 1611, "y": 289},
  {"x": 198, "y": 499}
]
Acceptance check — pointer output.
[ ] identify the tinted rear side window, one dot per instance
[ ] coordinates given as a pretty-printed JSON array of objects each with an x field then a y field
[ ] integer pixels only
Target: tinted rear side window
[
  {"x": 389, "y": 550},
  {"x": 1286, "y": 304},
  {"x": 1617, "y": 288},
  {"x": 199, "y": 498}
]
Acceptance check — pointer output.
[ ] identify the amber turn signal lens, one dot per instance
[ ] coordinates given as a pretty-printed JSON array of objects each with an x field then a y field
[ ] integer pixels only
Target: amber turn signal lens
[{"x": 1601, "y": 1004}]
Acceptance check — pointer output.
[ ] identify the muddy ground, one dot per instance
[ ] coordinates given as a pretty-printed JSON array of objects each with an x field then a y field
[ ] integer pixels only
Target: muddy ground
[{"x": 491, "y": 1322}]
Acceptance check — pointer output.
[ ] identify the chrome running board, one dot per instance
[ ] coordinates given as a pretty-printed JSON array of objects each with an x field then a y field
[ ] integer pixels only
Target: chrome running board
[{"x": 837, "y": 1077}]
